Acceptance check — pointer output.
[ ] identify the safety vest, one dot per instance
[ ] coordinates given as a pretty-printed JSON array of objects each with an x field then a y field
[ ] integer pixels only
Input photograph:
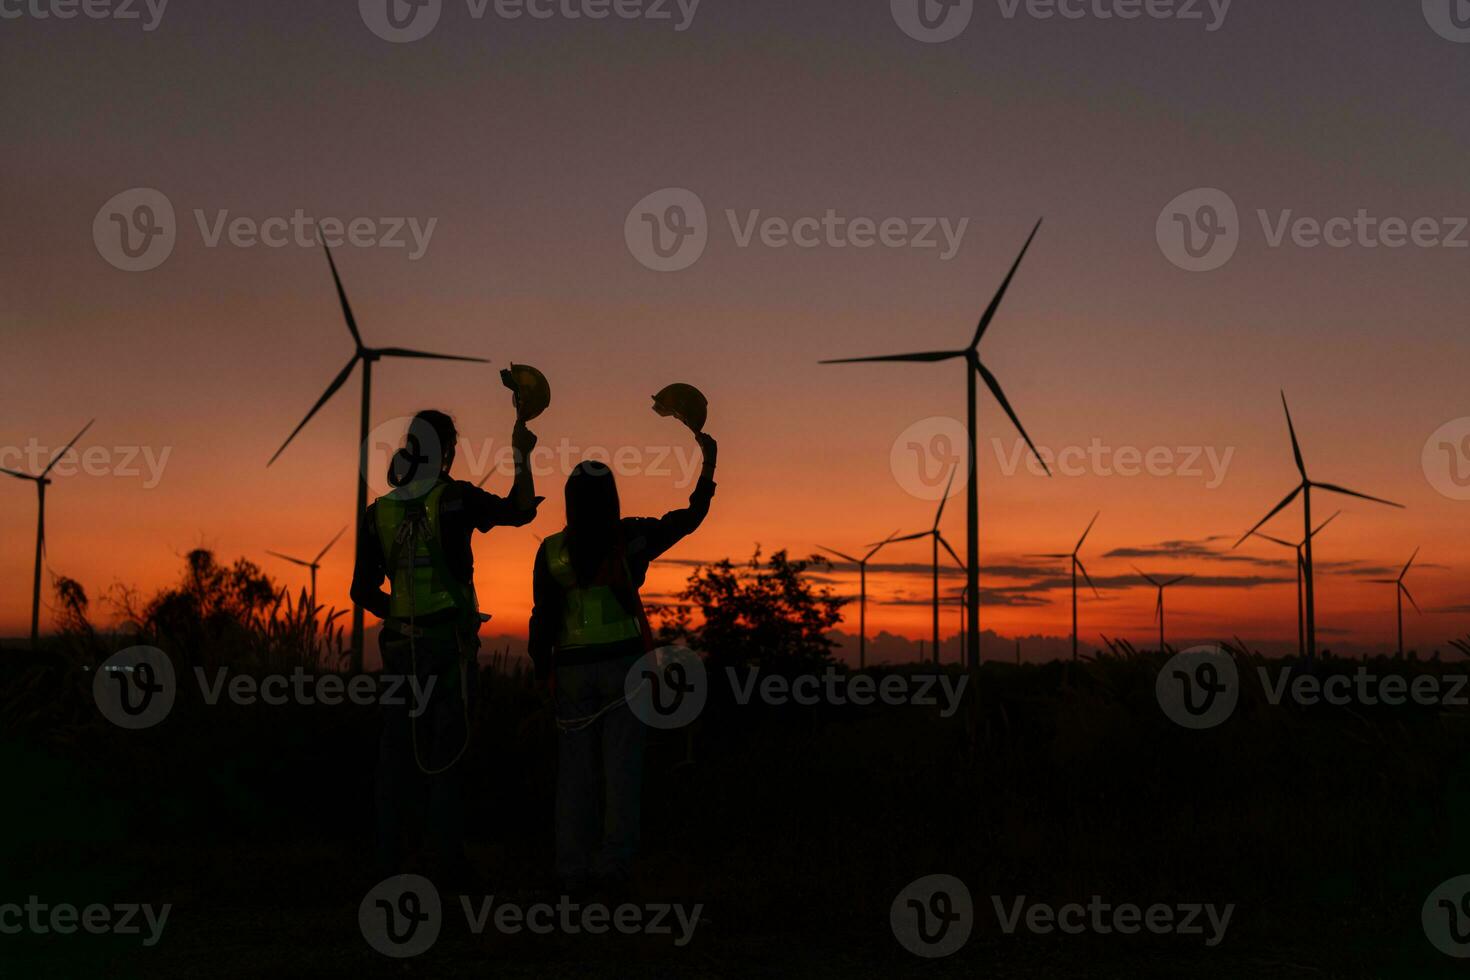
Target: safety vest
[
  {"x": 591, "y": 614},
  {"x": 413, "y": 554}
]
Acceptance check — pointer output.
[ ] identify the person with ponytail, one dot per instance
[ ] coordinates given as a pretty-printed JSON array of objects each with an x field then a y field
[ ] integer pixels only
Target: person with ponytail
[{"x": 588, "y": 629}]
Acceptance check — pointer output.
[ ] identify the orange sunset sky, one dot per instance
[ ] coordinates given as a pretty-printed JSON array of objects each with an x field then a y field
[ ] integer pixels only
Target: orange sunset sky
[{"x": 530, "y": 170}]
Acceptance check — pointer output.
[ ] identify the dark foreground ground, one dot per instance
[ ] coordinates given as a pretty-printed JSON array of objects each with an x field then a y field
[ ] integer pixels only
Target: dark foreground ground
[{"x": 794, "y": 827}]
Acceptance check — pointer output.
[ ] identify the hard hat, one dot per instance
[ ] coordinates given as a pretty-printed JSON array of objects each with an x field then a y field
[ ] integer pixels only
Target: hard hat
[
  {"x": 685, "y": 403},
  {"x": 532, "y": 390}
]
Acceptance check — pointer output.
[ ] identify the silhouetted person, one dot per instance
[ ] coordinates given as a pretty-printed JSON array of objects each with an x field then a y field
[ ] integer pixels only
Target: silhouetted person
[
  {"x": 588, "y": 629},
  {"x": 418, "y": 536}
]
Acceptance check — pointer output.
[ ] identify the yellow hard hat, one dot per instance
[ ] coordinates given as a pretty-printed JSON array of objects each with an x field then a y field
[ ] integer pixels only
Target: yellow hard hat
[
  {"x": 532, "y": 390},
  {"x": 685, "y": 403}
]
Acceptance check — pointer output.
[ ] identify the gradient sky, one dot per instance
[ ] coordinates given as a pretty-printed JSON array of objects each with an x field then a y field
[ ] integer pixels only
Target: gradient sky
[{"x": 530, "y": 141}]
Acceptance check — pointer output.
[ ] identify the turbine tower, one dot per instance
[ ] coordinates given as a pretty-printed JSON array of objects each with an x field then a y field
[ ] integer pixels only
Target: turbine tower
[
  {"x": 1400, "y": 591},
  {"x": 973, "y": 367},
  {"x": 937, "y": 540},
  {"x": 1301, "y": 564},
  {"x": 1304, "y": 490},
  {"x": 42, "y": 481},
  {"x": 862, "y": 567},
  {"x": 367, "y": 356},
  {"x": 1159, "y": 608},
  {"x": 313, "y": 564},
  {"x": 1077, "y": 567}
]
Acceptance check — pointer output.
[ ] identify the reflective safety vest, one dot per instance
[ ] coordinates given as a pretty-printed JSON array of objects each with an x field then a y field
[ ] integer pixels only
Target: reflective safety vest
[
  {"x": 591, "y": 614},
  {"x": 413, "y": 554}
]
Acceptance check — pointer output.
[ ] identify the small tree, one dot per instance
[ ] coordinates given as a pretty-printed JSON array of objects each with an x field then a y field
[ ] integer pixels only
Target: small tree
[{"x": 771, "y": 614}]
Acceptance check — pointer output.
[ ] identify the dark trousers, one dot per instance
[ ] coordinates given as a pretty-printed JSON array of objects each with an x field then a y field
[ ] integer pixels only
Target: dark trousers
[
  {"x": 406, "y": 796},
  {"x": 599, "y": 783}
]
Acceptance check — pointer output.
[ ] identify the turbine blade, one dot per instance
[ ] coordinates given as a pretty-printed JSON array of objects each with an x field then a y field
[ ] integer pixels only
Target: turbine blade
[
  {"x": 328, "y": 548},
  {"x": 296, "y": 561},
  {"x": 1382, "y": 581},
  {"x": 332, "y": 388},
  {"x": 913, "y": 537},
  {"x": 989, "y": 313},
  {"x": 17, "y": 475},
  {"x": 1266, "y": 537},
  {"x": 406, "y": 352},
  {"x": 1334, "y": 488},
  {"x": 1052, "y": 554},
  {"x": 875, "y": 548},
  {"x": 1083, "y": 569},
  {"x": 839, "y": 554},
  {"x": 1410, "y": 596},
  {"x": 1159, "y": 606},
  {"x": 1408, "y": 564},
  {"x": 1325, "y": 523},
  {"x": 1149, "y": 578},
  {"x": 951, "y": 553},
  {"x": 1274, "y": 511},
  {"x": 939, "y": 514},
  {"x": 57, "y": 458},
  {"x": 1000, "y": 396},
  {"x": 1086, "y": 532},
  {"x": 341, "y": 293},
  {"x": 1296, "y": 447},
  {"x": 927, "y": 357},
  {"x": 1174, "y": 581}
]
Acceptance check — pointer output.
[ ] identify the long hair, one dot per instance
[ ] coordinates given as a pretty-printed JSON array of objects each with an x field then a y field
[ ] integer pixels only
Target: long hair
[
  {"x": 430, "y": 444},
  {"x": 594, "y": 521}
]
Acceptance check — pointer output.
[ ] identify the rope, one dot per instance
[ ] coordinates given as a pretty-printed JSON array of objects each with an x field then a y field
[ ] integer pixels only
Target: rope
[{"x": 409, "y": 530}]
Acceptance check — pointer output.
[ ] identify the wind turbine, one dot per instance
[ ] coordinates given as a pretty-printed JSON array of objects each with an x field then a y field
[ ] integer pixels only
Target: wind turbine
[
  {"x": 1401, "y": 590},
  {"x": 973, "y": 366},
  {"x": 42, "y": 481},
  {"x": 1301, "y": 564},
  {"x": 367, "y": 356},
  {"x": 938, "y": 539},
  {"x": 1159, "y": 609},
  {"x": 1304, "y": 490},
  {"x": 1077, "y": 567},
  {"x": 862, "y": 567},
  {"x": 314, "y": 564}
]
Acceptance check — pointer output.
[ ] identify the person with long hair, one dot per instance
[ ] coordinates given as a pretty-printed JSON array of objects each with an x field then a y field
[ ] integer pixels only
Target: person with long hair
[{"x": 588, "y": 629}]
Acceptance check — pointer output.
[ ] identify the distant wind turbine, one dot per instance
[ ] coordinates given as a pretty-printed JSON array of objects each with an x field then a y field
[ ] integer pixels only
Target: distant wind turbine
[
  {"x": 1159, "y": 608},
  {"x": 1301, "y": 564},
  {"x": 937, "y": 540},
  {"x": 1400, "y": 591},
  {"x": 313, "y": 565},
  {"x": 1077, "y": 567},
  {"x": 862, "y": 567},
  {"x": 42, "y": 481},
  {"x": 973, "y": 366},
  {"x": 1304, "y": 490},
  {"x": 367, "y": 356}
]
